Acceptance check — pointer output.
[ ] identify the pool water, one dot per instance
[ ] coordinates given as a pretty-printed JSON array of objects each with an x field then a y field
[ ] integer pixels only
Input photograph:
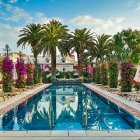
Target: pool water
[{"x": 68, "y": 107}]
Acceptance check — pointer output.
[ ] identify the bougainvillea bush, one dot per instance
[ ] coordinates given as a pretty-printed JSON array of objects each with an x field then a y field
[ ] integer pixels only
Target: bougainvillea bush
[
  {"x": 126, "y": 68},
  {"x": 7, "y": 71},
  {"x": 104, "y": 74},
  {"x": 98, "y": 75},
  {"x": 21, "y": 73},
  {"x": 113, "y": 73},
  {"x": 30, "y": 73},
  {"x": 37, "y": 74}
]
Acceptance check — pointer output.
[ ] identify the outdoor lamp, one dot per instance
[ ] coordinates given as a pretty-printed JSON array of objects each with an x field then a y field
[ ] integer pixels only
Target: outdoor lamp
[
  {"x": 125, "y": 47},
  {"x": 104, "y": 56},
  {"x": 113, "y": 52}
]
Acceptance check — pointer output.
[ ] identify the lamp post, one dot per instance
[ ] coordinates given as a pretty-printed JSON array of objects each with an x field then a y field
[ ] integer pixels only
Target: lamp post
[
  {"x": 113, "y": 53},
  {"x": 7, "y": 49},
  {"x": 20, "y": 55},
  {"x": 125, "y": 48},
  {"x": 104, "y": 57}
]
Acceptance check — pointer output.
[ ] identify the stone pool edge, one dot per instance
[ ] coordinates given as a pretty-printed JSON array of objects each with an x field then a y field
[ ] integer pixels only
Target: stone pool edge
[
  {"x": 9, "y": 104},
  {"x": 106, "y": 94}
]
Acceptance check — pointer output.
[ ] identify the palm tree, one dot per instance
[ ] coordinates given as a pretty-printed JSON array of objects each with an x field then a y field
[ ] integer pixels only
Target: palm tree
[
  {"x": 103, "y": 43},
  {"x": 53, "y": 34},
  {"x": 30, "y": 36},
  {"x": 81, "y": 40}
]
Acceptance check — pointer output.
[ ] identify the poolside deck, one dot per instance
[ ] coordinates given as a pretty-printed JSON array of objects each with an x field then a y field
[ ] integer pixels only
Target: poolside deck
[{"x": 71, "y": 135}]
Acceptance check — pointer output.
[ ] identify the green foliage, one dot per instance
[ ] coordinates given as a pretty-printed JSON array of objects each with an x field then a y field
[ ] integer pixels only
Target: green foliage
[
  {"x": 53, "y": 78},
  {"x": 132, "y": 39},
  {"x": 86, "y": 74},
  {"x": 127, "y": 75},
  {"x": 44, "y": 76},
  {"x": 36, "y": 73},
  {"x": 81, "y": 40},
  {"x": 66, "y": 75},
  {"x": 53, "y": 34},
  {"x": 97, "y": 75},
  {"x": 103, "y": 43},
  {"x": 30, "y": 36},
  {"x": 104, "y": 74},
  {"x": 113, "y": 73},
  {"x": 7, "y": 82}
]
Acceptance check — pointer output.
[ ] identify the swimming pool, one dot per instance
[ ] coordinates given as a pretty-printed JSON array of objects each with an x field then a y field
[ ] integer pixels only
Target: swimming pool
[{"x": 68, "y": 107}]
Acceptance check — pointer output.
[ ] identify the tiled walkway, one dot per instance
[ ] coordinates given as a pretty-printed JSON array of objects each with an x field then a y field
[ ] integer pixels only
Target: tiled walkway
[{"x": 71, "y": 135}]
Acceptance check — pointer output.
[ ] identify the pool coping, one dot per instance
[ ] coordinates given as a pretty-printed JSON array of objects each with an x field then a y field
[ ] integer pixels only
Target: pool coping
[
  {"x": 131, "y": 107},
  {"x": 72, "y": 133},
  {"x": 7, "y": 105}
]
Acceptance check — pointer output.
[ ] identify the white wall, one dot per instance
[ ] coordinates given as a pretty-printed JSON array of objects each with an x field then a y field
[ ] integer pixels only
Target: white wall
[{"x": 68, "y": 67}]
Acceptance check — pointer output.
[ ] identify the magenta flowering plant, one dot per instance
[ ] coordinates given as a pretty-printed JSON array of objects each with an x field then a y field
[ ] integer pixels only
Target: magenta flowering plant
[
  {"x": 126, "y": 68},
  {"x": 21, "y": 73},
  {"x": 7, "y": 71},
  {"x": 30, "y": 72}
]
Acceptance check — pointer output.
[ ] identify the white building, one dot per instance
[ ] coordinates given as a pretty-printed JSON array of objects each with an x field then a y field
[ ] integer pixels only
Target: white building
[{"x": 62, "y": 64}]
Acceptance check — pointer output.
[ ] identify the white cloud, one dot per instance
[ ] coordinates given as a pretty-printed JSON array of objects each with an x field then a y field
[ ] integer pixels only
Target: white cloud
[
  {"x": 138, "y": 8},
  {"x": 17, "y": 14},
  {"x": 99, "y": 25},
  {"x": 42, "y": 19},
  {"x": 9, "y": 35}
]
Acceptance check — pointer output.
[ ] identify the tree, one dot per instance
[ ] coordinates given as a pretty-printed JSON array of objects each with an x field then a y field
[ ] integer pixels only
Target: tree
[
  {"x": 30, "y": 36},
  {"x": 53, "y": 34},
  {"x": 132, "y": 39},
  {"x": 81, "y": 40},
  {"x": 103, "y": 43}
]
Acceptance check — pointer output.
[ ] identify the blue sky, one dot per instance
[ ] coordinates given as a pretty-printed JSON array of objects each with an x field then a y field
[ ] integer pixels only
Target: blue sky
[{"x": 101, "y": 16}]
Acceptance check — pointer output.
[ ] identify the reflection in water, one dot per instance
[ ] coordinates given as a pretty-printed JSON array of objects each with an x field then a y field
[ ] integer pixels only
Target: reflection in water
[
  {"x": 8, "y": 118},
  {"x": 63, "y": 107}
]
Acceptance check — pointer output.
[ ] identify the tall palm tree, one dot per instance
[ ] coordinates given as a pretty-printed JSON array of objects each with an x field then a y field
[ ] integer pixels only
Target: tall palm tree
[
  {"x": 53, "y": 34},
  {"x": 103, "y": 43},
  {"x": 30, "y": 36},
  {"x": 81, "y": 40}
]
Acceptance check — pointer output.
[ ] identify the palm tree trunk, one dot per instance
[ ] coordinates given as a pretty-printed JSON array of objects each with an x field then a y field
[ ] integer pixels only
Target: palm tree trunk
[
  {"x": 80, "y": 65},
  {"x": 53, "y": 61},
  {"x": 35, "y": 61}
]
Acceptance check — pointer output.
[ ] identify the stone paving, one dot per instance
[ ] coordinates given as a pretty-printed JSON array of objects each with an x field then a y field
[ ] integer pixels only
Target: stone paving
[{"x": 71, "y": 134}]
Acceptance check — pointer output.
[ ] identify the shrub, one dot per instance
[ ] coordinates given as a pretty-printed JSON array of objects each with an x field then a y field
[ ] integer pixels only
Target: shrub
[
  {"x": 37, "y": 74},
  {"x": 30, "y": 72},
  {"x": 126, "y": 75},
  {"x": 104, "y": 74},
  {"x": 45, "y": 79},
  {"x": 7, "y": 71},
  {"x": 113, "y": 74},
  {"x": 53, "y": 78},
  {"x": 21, "y": 72},
  {"x": 98, "y": 75}
]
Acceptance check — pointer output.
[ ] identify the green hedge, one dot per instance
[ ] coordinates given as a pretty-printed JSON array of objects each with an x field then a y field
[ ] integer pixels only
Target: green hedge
[
  {"x": 113, "y": 74},
  {"x": 127, "y": 75},
  {"x": 104, "y": 74}
]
